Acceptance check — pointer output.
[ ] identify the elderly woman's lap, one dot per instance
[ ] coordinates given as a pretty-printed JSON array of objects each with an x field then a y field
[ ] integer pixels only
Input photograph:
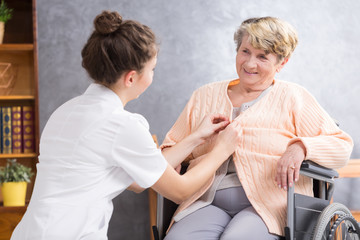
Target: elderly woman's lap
[
  {"x": 212, "y": 222},
  {"x": 206, "y": 223},
  {"x": 247, "y": 224}
]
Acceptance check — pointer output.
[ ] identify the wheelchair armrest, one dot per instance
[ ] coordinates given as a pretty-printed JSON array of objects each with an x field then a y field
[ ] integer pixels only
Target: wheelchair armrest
[{"x": 311, "y": 167}]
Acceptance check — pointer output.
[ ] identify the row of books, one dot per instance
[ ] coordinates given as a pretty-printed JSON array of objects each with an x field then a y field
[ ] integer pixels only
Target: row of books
[{"x": 17, "y": 129}]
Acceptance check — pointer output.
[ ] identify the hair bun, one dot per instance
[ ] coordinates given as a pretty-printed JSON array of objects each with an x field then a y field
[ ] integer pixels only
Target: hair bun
[{"x": 107, "y": 22}]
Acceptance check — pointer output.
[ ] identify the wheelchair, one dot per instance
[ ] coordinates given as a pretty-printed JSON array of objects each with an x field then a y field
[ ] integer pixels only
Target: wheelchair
[{"x": 308, "y": 218}]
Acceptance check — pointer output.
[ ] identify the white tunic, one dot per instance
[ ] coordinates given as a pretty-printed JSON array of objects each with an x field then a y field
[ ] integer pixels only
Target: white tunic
[{"x": 90, "y": 151}]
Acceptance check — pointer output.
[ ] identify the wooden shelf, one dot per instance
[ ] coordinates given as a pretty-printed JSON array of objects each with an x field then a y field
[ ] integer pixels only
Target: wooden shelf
[
  {"x": 16, "y": 47},
  {"x": 12, "y": 209},
  {"x": 351, "y": 170},
  {"x": 17, "y": 97},
  {"x": 18, "y": 155},
  {"x": 20, "y": 49}
]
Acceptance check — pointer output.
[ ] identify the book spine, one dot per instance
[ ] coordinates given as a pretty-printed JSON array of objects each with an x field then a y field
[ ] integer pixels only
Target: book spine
[
  {"x": 6, "y": 118},
  {"x": 1, "y": 131},
  {"x": 16, "y": 129},
  {"x": 28, "y": 129}
]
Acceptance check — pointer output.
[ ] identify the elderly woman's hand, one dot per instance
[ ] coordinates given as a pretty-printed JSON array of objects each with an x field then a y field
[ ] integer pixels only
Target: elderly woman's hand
[{"x": 288, "y": 167}]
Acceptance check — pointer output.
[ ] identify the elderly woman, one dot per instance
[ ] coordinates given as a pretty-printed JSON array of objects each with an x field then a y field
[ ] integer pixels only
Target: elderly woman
[{"x": 282, "y": 124}]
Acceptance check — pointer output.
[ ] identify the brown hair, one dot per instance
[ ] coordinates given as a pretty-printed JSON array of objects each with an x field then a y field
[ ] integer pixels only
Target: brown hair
[
  {"x": 117, "y": 46},
  {"x": 269, "y": 34}
]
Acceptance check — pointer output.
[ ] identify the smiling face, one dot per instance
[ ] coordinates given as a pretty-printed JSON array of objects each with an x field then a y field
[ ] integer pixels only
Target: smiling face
[{"x": 256, "y": 68}]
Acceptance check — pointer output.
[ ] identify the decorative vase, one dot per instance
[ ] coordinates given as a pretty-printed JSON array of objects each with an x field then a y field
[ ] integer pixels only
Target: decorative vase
[
  {"x": 2, "y": 30},
  {"x": 14, "y": 193}
]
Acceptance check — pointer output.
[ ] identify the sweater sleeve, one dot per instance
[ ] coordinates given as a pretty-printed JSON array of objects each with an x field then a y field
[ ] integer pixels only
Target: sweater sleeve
[
  {"x": 182, "y": 126},
  {"x": 325, "y": 143}
]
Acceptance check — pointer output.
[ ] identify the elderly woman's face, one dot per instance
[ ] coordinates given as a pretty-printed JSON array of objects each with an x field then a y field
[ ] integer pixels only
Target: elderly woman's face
[{"x": 254, "y": 67}]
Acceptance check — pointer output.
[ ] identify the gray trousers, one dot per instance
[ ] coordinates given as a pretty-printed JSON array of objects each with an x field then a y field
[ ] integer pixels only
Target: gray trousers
[{"x": 229, "y": 217}]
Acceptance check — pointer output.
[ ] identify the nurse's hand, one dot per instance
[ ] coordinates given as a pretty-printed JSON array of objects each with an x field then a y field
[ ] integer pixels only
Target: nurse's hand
[
  {"x": 212, "y": 123},
  {"x": 288, "y": 166},
  {"x": 229, "y": 138},
  {"x": 180, "y": 188}
]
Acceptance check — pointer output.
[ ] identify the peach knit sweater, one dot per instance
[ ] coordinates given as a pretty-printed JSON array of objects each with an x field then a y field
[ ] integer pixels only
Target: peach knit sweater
[{"x": 287, "y": 113}]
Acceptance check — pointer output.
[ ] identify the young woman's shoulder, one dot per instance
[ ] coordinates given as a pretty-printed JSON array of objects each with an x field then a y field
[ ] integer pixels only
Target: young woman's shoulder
[{"x": 121, "y": 116}]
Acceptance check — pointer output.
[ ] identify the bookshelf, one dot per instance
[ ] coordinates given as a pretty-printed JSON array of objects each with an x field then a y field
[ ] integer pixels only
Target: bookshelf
[{"x": 20, "y": 49}]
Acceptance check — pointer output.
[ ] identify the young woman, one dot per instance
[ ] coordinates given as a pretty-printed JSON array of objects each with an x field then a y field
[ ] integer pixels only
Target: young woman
[{"x": 92, "y": 149}]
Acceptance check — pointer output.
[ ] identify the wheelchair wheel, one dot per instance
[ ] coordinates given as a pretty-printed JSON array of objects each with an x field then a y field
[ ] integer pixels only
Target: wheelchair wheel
[
  {"x": 345, "y": 225},
  {"x": 326, "y": 227}
]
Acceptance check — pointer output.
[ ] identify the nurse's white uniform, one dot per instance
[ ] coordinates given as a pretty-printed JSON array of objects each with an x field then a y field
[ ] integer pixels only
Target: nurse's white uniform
[{"x": 90, "y": 151}]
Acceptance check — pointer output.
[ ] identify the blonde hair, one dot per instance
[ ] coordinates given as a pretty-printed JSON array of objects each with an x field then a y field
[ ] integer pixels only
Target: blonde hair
[{"x": 269, "y": 34}]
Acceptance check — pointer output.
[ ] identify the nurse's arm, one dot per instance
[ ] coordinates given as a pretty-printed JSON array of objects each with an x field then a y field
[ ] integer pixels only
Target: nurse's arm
[
  {"x": 178, "y": 188},
  {"x": 134, "y": 187},
  {"x": 211, "y": 124},
  {"x": 179, "y": 152}
]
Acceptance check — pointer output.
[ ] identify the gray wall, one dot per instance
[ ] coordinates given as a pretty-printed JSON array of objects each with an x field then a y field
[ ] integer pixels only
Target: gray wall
[{"x": 197, "y": 48}]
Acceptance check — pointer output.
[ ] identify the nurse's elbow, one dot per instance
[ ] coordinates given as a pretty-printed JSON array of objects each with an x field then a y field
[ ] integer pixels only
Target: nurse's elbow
[
  {"x": 138, "y": 190},
  {"x": 182, "y": 195},
  {"x": 178, "y": 199},
  {"x": 134, "y": 187}
]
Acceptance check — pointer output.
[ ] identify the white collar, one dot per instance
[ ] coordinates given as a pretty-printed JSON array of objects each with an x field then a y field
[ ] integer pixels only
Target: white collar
[{"x": 102, "y": 91}]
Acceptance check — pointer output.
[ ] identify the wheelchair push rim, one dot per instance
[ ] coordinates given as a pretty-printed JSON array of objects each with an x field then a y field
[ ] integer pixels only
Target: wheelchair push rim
[{"x": 327, "y": 227}]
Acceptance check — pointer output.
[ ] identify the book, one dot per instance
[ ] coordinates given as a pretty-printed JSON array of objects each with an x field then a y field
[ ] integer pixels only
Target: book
[
  {"x": 28, "y": 129},
  {"x": 6, "y": 127},
  {"x": 16, "y": 129},
  {"x": 1, "y": 129}
]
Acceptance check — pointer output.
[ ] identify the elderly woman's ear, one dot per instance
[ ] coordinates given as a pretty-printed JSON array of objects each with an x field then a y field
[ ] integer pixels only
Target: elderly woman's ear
[{"x": 282, "y": 64}]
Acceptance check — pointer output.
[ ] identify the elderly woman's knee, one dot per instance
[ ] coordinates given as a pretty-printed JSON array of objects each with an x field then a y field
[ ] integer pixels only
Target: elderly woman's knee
[
  {"x": 171, "y": 236},
  {"x": 247, "y": 234}
]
